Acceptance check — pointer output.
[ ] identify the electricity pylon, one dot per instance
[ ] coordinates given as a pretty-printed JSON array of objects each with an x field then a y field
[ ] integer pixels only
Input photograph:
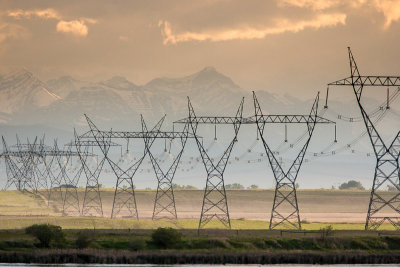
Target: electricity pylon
[
  {"x": 124, "y": 196},
  {"x": 215, "y": 202},
  {"x": 92, "y": 204},
  {"x": 387, "y": 169},
  {"x": 164, "y": 203},
  {"x": 285, "y": 209}
]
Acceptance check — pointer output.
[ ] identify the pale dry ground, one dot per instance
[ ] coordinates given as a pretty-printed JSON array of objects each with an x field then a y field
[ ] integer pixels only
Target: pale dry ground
[{"x": 315, "y": 205}]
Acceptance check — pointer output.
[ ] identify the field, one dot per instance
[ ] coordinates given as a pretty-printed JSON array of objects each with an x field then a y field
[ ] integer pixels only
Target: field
[
  {"x": 332, "y": 222},
  {"x": 249, "y": 209}
]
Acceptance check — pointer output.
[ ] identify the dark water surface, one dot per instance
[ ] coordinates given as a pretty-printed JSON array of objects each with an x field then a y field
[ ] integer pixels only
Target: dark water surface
[{"x": 184, "y": 265}]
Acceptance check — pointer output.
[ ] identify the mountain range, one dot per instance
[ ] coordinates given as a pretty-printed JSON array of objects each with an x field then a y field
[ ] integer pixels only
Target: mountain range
[
  {"x": 116, "y": 102},
  {"x": 26, "y": 101}
]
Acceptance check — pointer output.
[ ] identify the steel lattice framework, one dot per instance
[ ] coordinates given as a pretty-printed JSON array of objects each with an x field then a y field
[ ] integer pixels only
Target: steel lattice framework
[
  {"x": 164, "y": 203},
  {"x": 215, "y": 203},
  {"x": 35, "y": 166},
  {"x": 92, "y": 203},
  {"x": 387, "y": 169},
  {"x": 285, "y": 209},
  {"x": 124, "y": 195}
]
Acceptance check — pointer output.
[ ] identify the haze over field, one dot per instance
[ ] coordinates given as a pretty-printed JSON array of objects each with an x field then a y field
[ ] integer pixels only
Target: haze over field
[{"x": 59, "y": 60}]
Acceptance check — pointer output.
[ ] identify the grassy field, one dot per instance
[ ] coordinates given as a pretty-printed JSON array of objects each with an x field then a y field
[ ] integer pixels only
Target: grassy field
[
  {"x": 124, "y": 240},
  {"x": 19, "y": 222},
  {"x": 249, "y": 209}
]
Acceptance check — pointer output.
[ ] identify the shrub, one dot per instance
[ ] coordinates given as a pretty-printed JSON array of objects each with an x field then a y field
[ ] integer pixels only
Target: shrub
[
  {"x": 47, "y": 233},
  {"x": 354, "y": 185},
  {"x": 166, "y": 238},
  {"x": 136, "y": 244},
  {"x": 326, "y": 231},
  {"x": 84, "y": 239}
]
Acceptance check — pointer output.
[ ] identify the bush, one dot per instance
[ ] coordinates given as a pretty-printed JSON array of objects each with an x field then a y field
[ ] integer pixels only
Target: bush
[
  {"x": 354, "y": 185},
  {"x": 326, "y": 231},
  {"x": 234, "y": 186},
  {"x": 84, "y": 239},
  {"x": 166, "y": 238},
  {"x": 136, "y": 244},
  {"x": 46, "y": 234}
]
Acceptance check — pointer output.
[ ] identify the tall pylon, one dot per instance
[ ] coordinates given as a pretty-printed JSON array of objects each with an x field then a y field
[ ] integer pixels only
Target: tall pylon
[
  {"x": 285, "y": 208},
  {"x": 164, "y": 203},
  {"x": 387, "y": 170},
  {"x": 215, "y": 202},
  {"x": 92, "y": 204},
  {"x": 124, "y": 203},
  {"x": 14, "y": 172},
  {"x": 70, "y": 177}
]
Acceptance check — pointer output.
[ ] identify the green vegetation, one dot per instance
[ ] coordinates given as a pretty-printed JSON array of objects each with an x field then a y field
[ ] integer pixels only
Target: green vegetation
[
  {"x": 166, "y": 238},
  {"x": 47, "y": 234},
  {"x": 235, "y": 186},
  {"x": 171, "y": 246},
  {"x": 184, "y": 187},
  {"x": 80, "y": 223},
  {"x": 84, "y": 239},
  {"x": 325, "y": 239},
  {"x": 351, "y": 185}
]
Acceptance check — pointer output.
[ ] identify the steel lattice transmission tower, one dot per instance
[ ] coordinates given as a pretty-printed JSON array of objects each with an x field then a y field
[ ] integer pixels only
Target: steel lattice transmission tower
[
  {"x": 15, "y": 172},
  {"x": 164, "y": 203},
  {"x": 71, "y": 177},
  {"x": 28, "y": 168},
  {"x": 92, "y": 204},
  {"x": 215, "y": 203},
  {"x": 124, "y": 195},
  {"x": 285, "y": 209},
  {"x": 387, "y": 169}
]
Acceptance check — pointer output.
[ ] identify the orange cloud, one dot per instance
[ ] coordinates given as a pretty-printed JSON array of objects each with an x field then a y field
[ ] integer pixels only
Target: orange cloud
[
  {"x": 248, "y": 33},
  {"x": 390, "y": 9},
  {"x": 75, "y": 27},
  {"x": 313, "y": 4},
  {"x": 47, "y": 13}
]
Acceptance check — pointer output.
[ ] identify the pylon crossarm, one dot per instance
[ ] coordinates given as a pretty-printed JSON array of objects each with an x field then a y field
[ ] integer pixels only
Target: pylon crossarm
[{"x": 370, "y": 80}]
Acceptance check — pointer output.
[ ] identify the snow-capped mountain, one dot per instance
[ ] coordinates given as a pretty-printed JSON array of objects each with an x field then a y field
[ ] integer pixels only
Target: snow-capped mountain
[
  {"x": 22, "y": 92},
  {"x": 62, "y": 102},
  {"x": 118, "y": 103}
]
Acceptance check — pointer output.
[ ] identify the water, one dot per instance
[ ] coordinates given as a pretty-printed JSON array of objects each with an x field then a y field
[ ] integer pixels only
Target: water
[{"x": 185, "y": 265}]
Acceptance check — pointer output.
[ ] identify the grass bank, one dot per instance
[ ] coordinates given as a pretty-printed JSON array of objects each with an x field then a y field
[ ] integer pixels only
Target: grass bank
[
  {"x": 20, "y": 222},
  {"x": 212, "y": 247}
]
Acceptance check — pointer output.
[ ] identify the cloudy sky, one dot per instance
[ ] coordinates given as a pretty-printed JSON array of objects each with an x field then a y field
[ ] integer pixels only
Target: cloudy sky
[{"x": 283, "y": 46}]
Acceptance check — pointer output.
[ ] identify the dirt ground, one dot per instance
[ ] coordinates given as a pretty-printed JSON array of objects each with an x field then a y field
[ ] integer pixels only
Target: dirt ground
[{"x": 315, "y": 205}]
